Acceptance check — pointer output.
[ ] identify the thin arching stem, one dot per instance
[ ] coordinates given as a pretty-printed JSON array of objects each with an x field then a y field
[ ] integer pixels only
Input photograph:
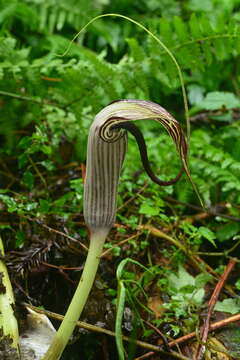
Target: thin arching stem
[{"x": 157, "y": 39}]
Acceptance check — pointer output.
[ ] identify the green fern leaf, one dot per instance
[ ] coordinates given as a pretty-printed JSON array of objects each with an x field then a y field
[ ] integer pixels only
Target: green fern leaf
[
  {"x": 61, "y": 19},
  {"x": 220, "y": 49},
  {"x": 207, "y": 51},
  {"x": 136, "y": 50},
  {"x": 52, "y": 20},
  {"x": 206, "y": 26},
  {"x": 195, "y": 27},
  {"x": 181, "y": 29},
  {"x": 43, "y": 16},
  {"x": 166, "y": 32}
]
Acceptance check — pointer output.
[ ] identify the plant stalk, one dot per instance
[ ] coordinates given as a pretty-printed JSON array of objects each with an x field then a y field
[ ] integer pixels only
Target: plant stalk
[
  {"x": 8, "y": 321},
  {"x": 80, "y": 297}
]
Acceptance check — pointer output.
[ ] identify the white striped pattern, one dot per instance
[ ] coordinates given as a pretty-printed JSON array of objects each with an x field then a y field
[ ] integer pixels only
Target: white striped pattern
[
  {"x": 104, "y": 163},
  {"x": 106, "y": 152}
]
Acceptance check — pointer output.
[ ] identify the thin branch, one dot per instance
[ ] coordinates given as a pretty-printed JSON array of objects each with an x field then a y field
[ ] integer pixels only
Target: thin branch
[
  {"x": 202, "y": 39},
  {"x": 71, "y": 102},
  {"x": 155, "y": 231},
  {"x": 98, "y": 329},
  {"x": 37, "y": 171},
  {"x": 212, "y": 302},
  {"x": 61, "y": 267},
  {"x": 214, "y": 326},
  {"x": 27, "y": 98},
  {"x": 120, "y": 243},
  {"x": 56, "y": 231},
  {"x": 224, "y": 253},
  {"x": 164, "y": 339},
  {"x": 133, "y": 197},
  {"x": 195, "y": 260},
  {"x": 211, "y": 211},
  {"x": 20, "y": 97}
]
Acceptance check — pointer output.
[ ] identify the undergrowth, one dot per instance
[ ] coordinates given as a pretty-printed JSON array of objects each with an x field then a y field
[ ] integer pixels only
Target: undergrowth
[{"x": 47, "y": 105}]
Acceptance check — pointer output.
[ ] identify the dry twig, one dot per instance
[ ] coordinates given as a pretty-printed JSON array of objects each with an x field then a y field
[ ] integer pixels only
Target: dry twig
[
  {"x": 98, "y": 329},
  {"x": 153, "y": 348},
  {"x": 185, "y": 338},
  {"x": 212, "y": 302}
]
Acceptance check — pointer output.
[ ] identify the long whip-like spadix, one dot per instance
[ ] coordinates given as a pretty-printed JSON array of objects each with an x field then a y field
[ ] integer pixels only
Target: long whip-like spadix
[
  {"x": 133, "y": 129},
  {"x": 107, "y": 144}
]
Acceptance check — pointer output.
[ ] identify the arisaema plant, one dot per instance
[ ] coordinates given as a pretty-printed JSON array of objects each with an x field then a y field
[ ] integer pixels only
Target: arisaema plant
[
  {"x": 8, "y": 323},
  {"x": 107, "y": 145}
]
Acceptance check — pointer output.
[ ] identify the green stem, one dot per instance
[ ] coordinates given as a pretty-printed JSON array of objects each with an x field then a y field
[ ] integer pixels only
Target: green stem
[
  {"x": 8, "y": 323},
  {"x": 79, "y": 299},
  {"x": 168, "y": 51}
]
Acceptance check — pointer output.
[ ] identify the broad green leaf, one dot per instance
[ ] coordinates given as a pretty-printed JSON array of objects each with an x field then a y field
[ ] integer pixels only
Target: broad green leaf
[
  {"x": 182, "y": 279},
  {"x": 220, "y": 49},
  {"x": 218, "y": 99},
  {"x": 10, "y": 202},
  {"x": 148, "y": 210},
  {"x": 227, "y": 231},
  {"x": 44, "y": 206},
  {"x": 195, "y": 94},
  {"x": 20, "y": 239},
  {"x": 28, "y": 179},
  {"x": 231, "y": 306},
  {"x": 202, "y": 279}
]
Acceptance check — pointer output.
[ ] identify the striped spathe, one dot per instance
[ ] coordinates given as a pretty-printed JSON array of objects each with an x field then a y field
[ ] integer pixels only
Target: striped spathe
[
  {"x": 104, "y": 163},
  {"x": 106, "y": 151}
]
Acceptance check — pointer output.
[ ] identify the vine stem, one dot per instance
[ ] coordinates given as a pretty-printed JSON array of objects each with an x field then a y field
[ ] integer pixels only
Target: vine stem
[
  {"x": 80, "y": 297},
  {"x": 156, "y": 38}
]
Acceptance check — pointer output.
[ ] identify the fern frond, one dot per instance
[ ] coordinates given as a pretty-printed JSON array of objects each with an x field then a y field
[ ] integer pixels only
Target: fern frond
[
  {"x": 54, "y": 14},
  {"x": 195, "y": 43}
]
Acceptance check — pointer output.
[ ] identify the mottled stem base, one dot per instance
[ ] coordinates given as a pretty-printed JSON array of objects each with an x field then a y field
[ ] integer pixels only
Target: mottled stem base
[{"x": 79, "y": 299}]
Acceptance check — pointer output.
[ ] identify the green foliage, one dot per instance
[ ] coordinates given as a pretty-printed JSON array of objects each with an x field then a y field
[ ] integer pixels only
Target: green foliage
[
  {"x": 47, "y": 105},
  {"x": 231, "y": 306},
  {"x": 196, "y": 44},
  {"x": 47, "y": 16},
  {"x": 216, "y": 100},
  {"x": 195, "y": 236},
  {"x": 186, "y": 292}
]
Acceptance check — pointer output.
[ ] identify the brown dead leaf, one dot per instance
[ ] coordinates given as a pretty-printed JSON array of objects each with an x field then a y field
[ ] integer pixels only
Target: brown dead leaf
[{"x": 155, "y": 304}]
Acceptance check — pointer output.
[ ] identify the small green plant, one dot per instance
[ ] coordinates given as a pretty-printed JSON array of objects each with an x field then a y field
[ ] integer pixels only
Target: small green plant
[
  {"x": 186, "y": 296},
  {"x": 186, "y": 292}
]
